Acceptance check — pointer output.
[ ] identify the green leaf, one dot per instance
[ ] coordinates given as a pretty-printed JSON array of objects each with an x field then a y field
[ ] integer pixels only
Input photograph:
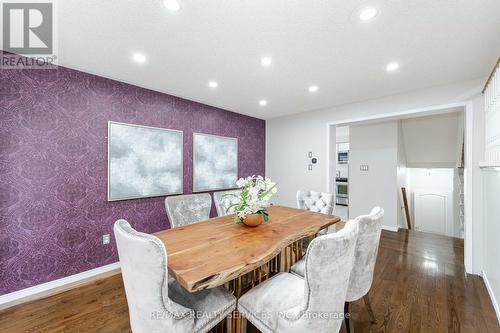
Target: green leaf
[{"x": 266, "y": 192}]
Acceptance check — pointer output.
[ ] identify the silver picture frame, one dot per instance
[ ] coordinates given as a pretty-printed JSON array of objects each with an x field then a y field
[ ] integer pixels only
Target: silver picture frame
[
  {"x": 209, "y": 189},
  {"x": 181, "y": 147}
]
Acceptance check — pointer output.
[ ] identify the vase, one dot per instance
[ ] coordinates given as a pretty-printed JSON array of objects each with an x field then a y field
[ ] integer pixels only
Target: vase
[{"x": 253, "y": 220}]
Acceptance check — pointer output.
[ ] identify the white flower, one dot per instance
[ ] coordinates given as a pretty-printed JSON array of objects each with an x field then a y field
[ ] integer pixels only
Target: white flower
[{"x": 256, "y": 192}]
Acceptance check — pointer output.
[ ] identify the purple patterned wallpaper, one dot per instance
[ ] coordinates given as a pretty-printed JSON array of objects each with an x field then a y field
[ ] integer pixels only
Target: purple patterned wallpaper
[{"x": 53, "y": 167}]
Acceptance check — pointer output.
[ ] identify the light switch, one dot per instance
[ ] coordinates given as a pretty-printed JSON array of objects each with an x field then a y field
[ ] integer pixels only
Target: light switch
[
  {"x": 310, "y": 154},
  {"x": 310, "y": 167},
  {"x": 363, "y": 167},
  {"x": 105, "y": 239}
]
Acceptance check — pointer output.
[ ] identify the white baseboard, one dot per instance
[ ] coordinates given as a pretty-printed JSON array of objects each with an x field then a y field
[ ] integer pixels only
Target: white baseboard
[
  {"x": 44, "y": 289},
  {"x": 390, "y": 228},
  {"x": 492, "y": 295}
]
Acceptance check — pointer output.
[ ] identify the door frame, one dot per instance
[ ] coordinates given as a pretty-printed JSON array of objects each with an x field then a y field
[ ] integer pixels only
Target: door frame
[{"x": 468, "y": 180}]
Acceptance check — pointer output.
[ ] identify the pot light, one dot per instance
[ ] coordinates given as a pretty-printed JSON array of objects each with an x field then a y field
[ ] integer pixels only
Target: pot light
[
  {"x": 391, "y": 67},
  {"x": 266, "y": 61},
  {"x": 139, "y": 58},
  {"x": 313, "y": 89},
  {"x": 213, "y": 84},
  {"x": 171, "y": 5},
  {"x": 262, "y": 102},
  {"x": 367, "y": 14}
]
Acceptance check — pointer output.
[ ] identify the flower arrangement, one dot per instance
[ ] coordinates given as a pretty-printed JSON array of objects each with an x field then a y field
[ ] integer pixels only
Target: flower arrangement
[{"x": 254, "y": 197}]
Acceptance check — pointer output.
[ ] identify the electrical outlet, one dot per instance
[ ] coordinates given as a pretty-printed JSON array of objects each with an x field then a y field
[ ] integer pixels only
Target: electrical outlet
[
  {"x": 105, "y": 239},
  {"x": 363, "y": 167},
  {"x": 310, "y": 167}
]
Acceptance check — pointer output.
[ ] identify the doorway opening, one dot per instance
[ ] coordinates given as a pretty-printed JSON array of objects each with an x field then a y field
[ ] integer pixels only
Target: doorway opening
[{"x": 398, "y": 150}]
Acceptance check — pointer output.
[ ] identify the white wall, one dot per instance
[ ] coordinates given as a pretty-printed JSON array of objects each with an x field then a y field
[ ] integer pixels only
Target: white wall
[
  {"x": 477, "y": 155},
  {"x": 402, "y": 174},
  {"x": 492, "y": 233},
  {"x": 375, "y": 145},
  {"x": 432, "y": 141},
  {"x": 288, "y": 139}
]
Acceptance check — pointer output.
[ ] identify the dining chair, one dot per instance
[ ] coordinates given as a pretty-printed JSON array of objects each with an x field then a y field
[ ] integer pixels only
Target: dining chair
[
  {"x": 188, "y": 208},
  {"x": 223, "y": 201},
  {"x": 159, "y": 304},
  {"x": 314, "y": 201},
  {"x": 315, "y": 303},
  {"x": 320, "y": 202},
  {"x": 361, "y": 278}
]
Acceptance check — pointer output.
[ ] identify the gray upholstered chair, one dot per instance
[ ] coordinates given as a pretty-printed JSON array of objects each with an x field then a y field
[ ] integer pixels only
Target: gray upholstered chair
[
  {"x": 224, "y": 199},
  {"x": 188, "y": 208},
  {"x": 155, "y": 303},
  {"x": 361, "y": 279},
  {"x": 288, "y": 303},
  {"x": 320, "y": 202}
]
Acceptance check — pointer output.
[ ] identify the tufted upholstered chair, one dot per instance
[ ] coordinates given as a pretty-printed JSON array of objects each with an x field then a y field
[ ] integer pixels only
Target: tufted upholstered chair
[
  {"x": 288, "y": 303},
  {"x": 155, "y": 303},
  {"x": 320, "y": 202},
  {"x": 188, "y": 208},
  {"x": 224, "y": 199},
  {"x": 361, "y": 279}
]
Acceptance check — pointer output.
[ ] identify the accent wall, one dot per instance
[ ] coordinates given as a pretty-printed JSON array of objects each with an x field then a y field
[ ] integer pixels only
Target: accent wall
[{"x": 53, "y": 167}]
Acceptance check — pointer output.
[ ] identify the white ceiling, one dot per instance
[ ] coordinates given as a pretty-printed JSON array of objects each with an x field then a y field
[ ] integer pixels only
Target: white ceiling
[{"x": 311, "y": 42}]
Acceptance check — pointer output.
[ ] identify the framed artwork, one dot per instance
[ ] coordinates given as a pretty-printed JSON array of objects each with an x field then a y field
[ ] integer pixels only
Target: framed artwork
[
  {"x": 215, "y": 162},
  {"x": 143, "y": 161}
]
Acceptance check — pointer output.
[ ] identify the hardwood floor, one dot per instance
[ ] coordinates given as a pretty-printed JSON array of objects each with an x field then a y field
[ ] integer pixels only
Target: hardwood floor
[{"x": 419, "y": 286}]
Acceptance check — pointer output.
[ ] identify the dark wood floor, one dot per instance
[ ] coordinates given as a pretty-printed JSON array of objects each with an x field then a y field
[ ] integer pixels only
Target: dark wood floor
[{"x": 419, "y": 286}]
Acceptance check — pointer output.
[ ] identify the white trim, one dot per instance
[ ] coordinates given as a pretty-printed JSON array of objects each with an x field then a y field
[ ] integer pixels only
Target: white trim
[
  {"x": 45, "y": 287},
  {"x": 468, "y": 188},
  {"x": 390, "y": 228},
  {"x": 492, "y": 296},
  {"x": 438, "y": 109}
]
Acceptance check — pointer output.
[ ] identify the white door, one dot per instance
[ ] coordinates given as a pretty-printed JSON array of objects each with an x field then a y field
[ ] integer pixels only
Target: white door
[{"x": 434, "y": 212}]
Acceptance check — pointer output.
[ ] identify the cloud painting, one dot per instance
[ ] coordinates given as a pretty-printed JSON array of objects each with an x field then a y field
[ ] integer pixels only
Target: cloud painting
[
  {"x": 143, "y": 161},
  {"x": 215, "y": 162}
]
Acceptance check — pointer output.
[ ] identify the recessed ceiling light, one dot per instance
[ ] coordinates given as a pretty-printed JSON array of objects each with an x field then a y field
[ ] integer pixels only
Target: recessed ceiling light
[
  {"x": 367, "y": 14},
  {"x": 139, "y": 58},
  {"x": 262, "y": 102},
  {"x": 171, "y": 5},
  {"x": 266, "y": 61},
  {"x": 313, "y": 89},
  {"x": 391, "y": 67},
  {"x": 213, "y": 84}
]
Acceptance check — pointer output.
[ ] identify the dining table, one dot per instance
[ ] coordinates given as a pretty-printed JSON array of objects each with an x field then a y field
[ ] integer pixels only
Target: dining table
[{"x": 219, "y": 252}]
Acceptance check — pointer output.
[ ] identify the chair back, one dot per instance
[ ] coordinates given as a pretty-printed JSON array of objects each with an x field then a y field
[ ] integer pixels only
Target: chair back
[
  {"x": 313, "y": 201},
  {"x": 223, "y": 201},
  {"x": 365, "y": 257},
  {"x": 329, "y": 260},
  {"x": 188, "y": 208},
  {"x": 143, "y": 261}
]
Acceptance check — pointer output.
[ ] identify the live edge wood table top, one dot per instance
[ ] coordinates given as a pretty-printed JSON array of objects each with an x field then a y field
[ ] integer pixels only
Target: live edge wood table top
[{"x": 210, "y": 253}]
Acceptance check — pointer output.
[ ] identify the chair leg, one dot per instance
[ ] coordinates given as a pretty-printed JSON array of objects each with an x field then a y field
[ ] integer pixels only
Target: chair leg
[
  {"x": 368, "y": 305},
  {"x": 347, "y": 318},
  {"x": 244, "y": 323}
]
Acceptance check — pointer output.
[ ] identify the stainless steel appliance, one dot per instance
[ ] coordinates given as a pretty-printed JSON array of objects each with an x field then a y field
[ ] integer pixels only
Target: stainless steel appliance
[
  {"x": 342, "y": 157},
  {"x": 342, "y": 191}
]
